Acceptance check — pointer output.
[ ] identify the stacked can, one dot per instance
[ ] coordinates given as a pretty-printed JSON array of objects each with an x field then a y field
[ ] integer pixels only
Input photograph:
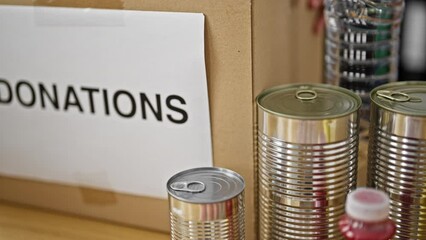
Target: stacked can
[
  {"x": 362, "y": 44},
  {"x": 206, "y": 203},
  {"x": 397, "y": 153},
  {"x": 307, "y": 159}
]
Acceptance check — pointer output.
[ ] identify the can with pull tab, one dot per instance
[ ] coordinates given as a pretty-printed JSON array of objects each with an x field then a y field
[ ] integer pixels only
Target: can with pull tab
[
  {"x": 397, "y": 153},
  {"x": 307, "y": 159},
  {"x": 206, "y": 203}
]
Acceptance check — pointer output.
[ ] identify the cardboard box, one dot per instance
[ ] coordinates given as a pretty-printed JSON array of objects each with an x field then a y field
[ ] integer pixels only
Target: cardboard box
[{"x": 250, "y": 45}]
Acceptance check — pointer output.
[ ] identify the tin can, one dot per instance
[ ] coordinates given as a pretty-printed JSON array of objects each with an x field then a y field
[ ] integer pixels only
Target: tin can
[
  {"x": 397, "y": 153},
  {"x": 307, "y": 159},
  {"x": 206, "y": 203}
]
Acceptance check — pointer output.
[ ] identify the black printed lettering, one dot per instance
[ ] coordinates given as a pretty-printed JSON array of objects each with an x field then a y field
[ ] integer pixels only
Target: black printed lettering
[
  {"x": 53, "y": 98},
  {"x": 132, "y": 111},
  {"x": 157, "y": 112},
  {"x": 31, "y": 101},
  {"x": 71, "y": 99},
  {"x": 90, "y": 92},
  {"x": 106, "y": 104},
  {"x": 8, "y": 98},
  {"x": 123, "y": 103},
  {"x": 176, "y": 109}
]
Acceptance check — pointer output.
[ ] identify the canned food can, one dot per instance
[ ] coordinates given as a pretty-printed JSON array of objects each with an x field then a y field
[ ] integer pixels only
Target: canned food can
[
  {"x": 397, "y": 153},
  {"x": 206, "y": 203},
  {"x": 307, "y": 159}
]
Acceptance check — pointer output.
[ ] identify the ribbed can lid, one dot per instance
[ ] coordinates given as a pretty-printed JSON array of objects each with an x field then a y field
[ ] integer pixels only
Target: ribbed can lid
[
  {"x": 205, "y": 185},
  {"x": 309, "y": 101},
  {"x": 366, "y": 204},
  {"x": 408, "y": 98}
]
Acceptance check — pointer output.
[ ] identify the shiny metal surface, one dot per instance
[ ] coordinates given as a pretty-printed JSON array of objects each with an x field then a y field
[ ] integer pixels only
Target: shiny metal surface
[
  {"x": 397, "y": 154},
  {"x": 205, "y": 185},
  {"x": 308, "y": 101},
  {"x": 211, "y": 209},
  {"x": 307, "y": 164}
]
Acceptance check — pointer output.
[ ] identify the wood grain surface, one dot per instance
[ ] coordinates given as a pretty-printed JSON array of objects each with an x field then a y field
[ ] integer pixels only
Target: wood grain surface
[{"x": 21, "y": 223}]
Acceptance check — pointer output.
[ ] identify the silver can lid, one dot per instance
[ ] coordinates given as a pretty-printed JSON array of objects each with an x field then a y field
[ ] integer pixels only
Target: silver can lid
[
  {"x": 205, "y": 185},
  {"x": 408, "y": 98},
  {"x": 309, "y": 101}
]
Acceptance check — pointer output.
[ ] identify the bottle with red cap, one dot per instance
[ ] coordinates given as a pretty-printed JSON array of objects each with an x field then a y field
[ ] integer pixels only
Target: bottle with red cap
[{"x": 367, "y": 216}]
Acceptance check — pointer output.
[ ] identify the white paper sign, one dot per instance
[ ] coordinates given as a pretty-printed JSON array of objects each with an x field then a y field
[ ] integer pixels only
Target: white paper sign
[{"x": 110, "y": 99}]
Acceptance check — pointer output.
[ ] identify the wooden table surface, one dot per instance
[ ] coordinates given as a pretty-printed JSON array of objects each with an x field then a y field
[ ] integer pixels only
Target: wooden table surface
[{"x": 23, "y": 223}]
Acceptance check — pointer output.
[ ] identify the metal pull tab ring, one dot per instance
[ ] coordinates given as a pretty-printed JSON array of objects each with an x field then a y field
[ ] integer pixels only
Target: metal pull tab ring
[
  {"x": 306, "y": 95},
  {"x": 397, "y": 96},
  {"x": 186, "y": 186}
]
